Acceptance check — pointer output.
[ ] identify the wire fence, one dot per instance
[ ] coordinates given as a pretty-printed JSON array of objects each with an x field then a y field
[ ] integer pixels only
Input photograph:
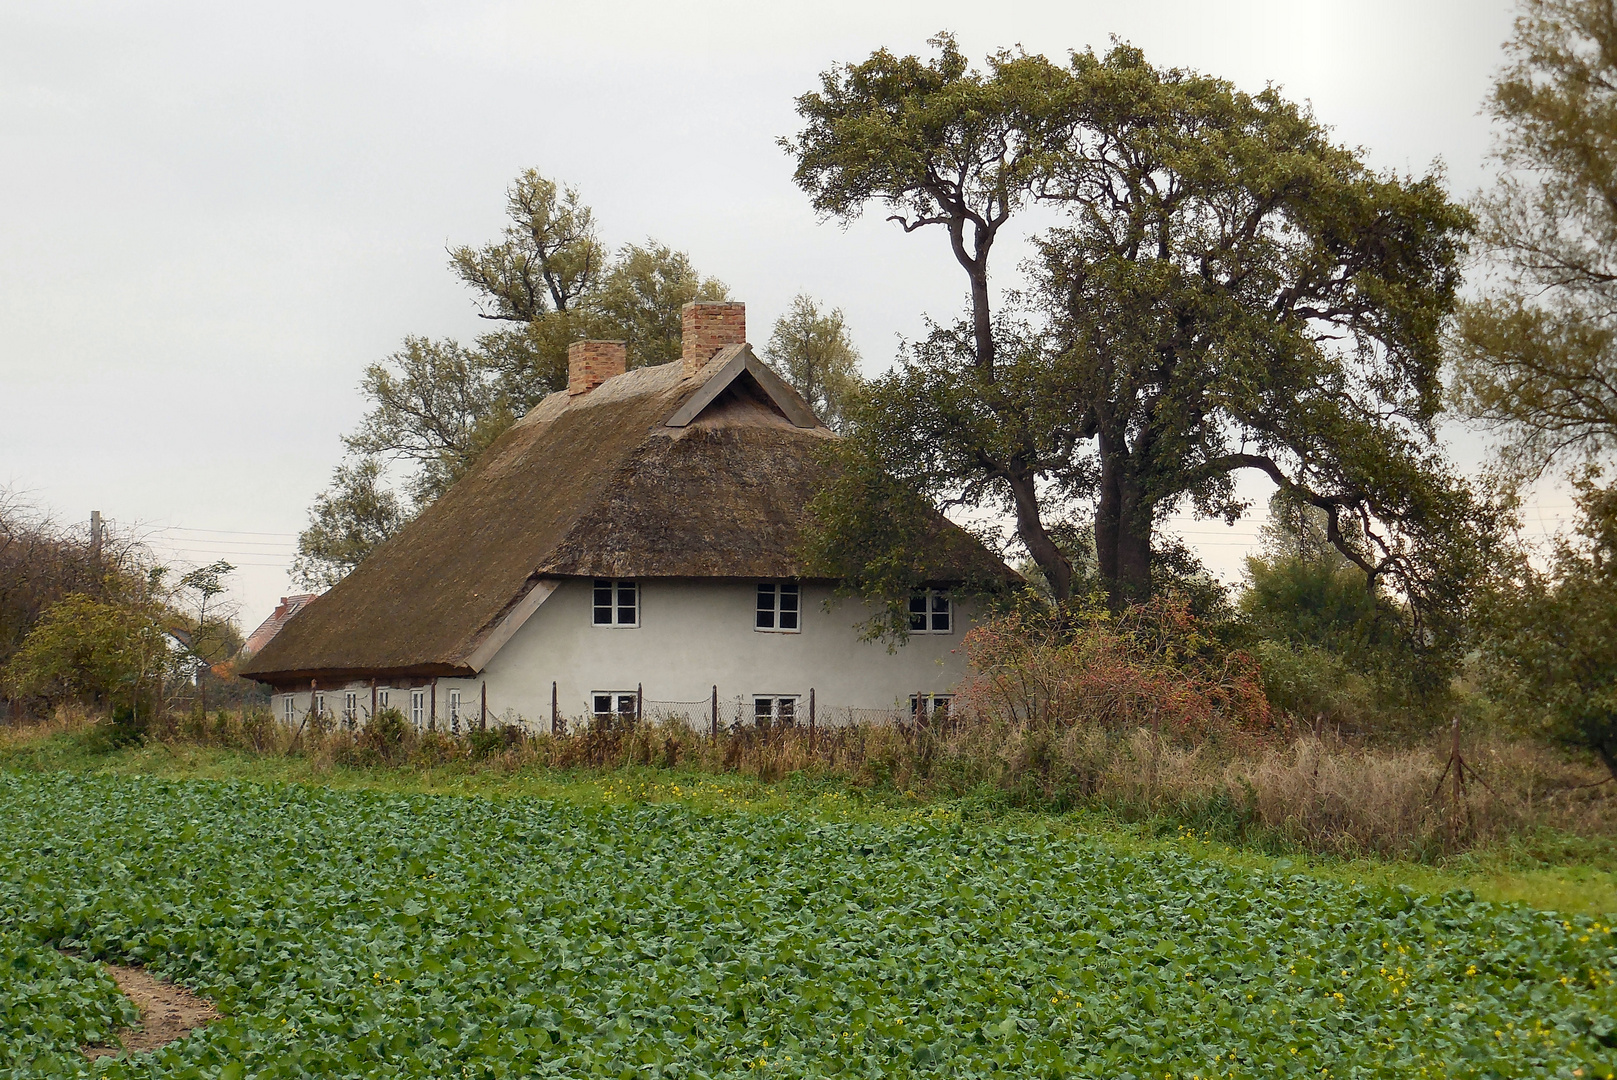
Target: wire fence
[{"x": 429, "y": 708}]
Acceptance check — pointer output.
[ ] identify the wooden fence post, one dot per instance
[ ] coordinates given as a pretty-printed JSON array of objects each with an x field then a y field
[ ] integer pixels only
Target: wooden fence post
[
  {"x": 639, "y": 696},
  {"x": 715, "y": 713},
  {"x": 555, "y": 709},
  {"x": 482, "y": 715},
  {"x": 432, "y": 708},
  {"x": 811, "y": 721}
]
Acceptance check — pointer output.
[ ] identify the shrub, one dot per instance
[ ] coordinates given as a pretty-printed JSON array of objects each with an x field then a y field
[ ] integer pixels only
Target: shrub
[{"x": 1151, "y": 666}]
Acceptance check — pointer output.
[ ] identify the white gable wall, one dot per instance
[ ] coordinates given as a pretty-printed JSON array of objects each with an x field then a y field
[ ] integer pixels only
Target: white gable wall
[{"x": 695, "y": 634}]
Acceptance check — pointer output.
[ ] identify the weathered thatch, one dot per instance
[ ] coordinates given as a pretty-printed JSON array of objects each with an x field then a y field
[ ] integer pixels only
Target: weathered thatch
[{"x": 597, "y": 484}]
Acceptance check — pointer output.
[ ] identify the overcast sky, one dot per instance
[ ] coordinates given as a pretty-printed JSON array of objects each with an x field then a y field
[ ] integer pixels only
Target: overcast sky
[{"x": 212, "y": 217}]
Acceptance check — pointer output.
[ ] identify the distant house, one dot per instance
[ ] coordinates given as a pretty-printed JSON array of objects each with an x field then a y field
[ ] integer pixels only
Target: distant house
[
  {"x": 637, "y": 533},
  {"x": 288, "y": 607}
]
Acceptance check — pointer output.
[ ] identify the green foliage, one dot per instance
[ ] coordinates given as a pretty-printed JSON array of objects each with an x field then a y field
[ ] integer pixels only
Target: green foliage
[
  {"x": 1537, "y": 352},
  {"x": 96, "y": 651},
  {"x": 437, "y": 405},
  {"x": 1314, "y": 685},
  {"x": 51, "y": 1005},
  {"x": 359, "y": 933},
  {"x": 1552, "y": 641},
  {"x": 386, "y": 736},
  {"x": 348, "y": 521},
  {"x": 1230, "y": 291},
  {"x": 812, "y": 351},
  {"x": 640, "y": 298}
]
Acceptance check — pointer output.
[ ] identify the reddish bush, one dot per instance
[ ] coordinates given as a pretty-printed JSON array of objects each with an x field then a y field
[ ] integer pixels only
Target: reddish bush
[{"x": 1152, "y": 666}]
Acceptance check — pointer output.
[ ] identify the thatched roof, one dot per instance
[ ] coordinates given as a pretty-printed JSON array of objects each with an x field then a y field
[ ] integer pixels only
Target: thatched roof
[{"x": 654, "y": 473}]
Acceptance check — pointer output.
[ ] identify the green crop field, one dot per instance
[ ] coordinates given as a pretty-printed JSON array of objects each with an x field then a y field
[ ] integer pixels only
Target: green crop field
[{"x": 371, "y": 934}]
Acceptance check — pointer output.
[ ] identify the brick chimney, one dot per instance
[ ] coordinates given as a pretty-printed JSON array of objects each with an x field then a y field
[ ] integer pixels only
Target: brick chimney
[
  {"x": 706, "y": 327},
  {"x": 591, "y": 363}
]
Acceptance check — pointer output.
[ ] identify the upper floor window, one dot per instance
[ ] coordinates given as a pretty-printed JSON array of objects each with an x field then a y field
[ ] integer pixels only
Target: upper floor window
[
  {"x": 931, "y": 613},
  {"x": 777, "y": 606},
  {"x": 617, "y": 603}
]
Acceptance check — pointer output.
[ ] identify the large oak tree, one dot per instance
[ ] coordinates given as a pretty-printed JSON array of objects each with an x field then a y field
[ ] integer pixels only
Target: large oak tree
[{"x": 1227, "y": 290}]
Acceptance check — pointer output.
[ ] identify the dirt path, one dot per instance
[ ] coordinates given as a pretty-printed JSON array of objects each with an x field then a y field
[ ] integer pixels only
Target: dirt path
[{"x": 167, "y": 1012}]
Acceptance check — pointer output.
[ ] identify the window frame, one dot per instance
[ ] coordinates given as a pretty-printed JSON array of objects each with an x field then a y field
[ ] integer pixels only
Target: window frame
[
  {"x": 382, "y": 698},
  {"x": 934, "y": 603},
  {"x": 418, "y": 708},
  {"x": 777, "y": 591},
  {"x": 613, "y": 698},
  {"x": 350, "y": 706},
  {"x": 320, "y": 704},
  {"x": 617, "y": 587},
  {"x": 289, "y": 708},
  {"x": 775, "y": 712},
  {"x": 933, "y": 701}
]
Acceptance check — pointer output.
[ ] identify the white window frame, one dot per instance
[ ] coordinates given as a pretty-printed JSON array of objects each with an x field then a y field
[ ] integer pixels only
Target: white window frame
[
  {"x": 320, "y": 704},
  {"x": 350, "y": 707},
  {"x": 769, "y": 619},
  {"x": 624, "y": 700},
  {"x": 935, "y": 608},
  {"x": 289, "y": 708},
  {"x": 454, "y": 703},
  {"x": 418, "y": 708},
  {"x": 775, "y": 713},
  {"x": 616, "y": 588},
  {"x": 381, "y": 698},
  {"x": 934, "y": 702}
]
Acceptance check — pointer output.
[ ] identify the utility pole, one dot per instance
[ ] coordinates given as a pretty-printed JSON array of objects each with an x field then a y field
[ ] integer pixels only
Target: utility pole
[{"x": 95, "y": 542}]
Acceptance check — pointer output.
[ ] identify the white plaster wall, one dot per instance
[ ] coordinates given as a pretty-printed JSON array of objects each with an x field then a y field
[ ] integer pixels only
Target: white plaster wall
[{"x": 695, "y": 634}]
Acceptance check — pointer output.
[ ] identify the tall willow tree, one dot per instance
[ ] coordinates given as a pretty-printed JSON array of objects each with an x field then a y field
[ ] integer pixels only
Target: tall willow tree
[
  {"x": 1228, "y": 290},
  {"x": 1537, "y": 354}
]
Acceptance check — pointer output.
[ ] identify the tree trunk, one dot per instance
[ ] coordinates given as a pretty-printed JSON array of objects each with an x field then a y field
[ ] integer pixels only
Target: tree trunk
[
  {"x": 1030, "y": 528},
  {"x": 1122, "y": 528}
]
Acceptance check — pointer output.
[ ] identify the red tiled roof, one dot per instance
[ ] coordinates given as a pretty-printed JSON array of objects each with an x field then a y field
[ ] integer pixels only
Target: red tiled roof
[{"x": 289, "y": 606}]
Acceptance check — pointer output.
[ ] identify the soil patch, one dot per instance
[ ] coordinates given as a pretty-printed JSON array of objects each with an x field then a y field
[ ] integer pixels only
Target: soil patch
[{"x": 168, "y": 1012}]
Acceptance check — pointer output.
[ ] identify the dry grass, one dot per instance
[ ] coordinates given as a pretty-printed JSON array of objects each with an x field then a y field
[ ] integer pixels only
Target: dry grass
[{"x": 1313, "y": 792}]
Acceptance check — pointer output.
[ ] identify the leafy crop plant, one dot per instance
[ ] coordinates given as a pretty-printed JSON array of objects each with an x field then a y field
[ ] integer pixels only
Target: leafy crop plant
[{"x": 352, "y": 933}]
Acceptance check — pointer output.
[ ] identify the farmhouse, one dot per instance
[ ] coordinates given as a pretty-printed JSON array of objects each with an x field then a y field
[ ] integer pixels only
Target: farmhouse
[{"x": 631, "y": 542}]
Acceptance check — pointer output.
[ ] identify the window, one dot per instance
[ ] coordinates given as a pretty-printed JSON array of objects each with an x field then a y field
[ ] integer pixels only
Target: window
[
  {"x": 929, "y": 706},
  {"x": 454, "y": 711},
  {"x": 350, "y": 708},
  {"x": 418, "y": 708},
  {"x": 381, "y": 698},
  {"x": 777, "y": 607},
  {"x": 774, "y": 709},
  {"x": 616, "y": 603},
  {"x": 609, "y": 703},
  {"x": 930, "y": 613},
  {"x": 320, "y": 703},
  {"x": 289, "y": 708}
]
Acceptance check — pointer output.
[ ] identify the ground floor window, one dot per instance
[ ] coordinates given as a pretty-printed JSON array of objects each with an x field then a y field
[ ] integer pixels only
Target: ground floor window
[
  {"x": 289, "y": 708},
  {"x": 609, "y": 703},
  {"x": 320, "y": 704},
  {"x": 350, "y": 708},
  {"x": 770, "y": 709},
  {"x": 381, "y": 698},
  {"x": 930, "y": 706},
  {"x": 418, "y": 708},
  {"x": 454, "y": 711}
]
